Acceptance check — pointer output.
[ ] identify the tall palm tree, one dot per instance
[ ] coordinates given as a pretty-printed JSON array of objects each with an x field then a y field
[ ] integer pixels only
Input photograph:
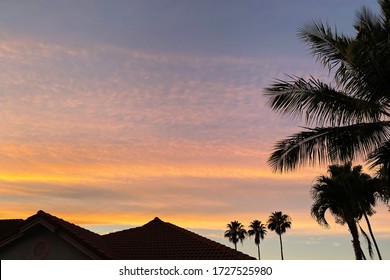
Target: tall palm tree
[
  {"x": 328, "y": 195},
  {"x": 365, "y": 192},
  {"x": 279, "y": 223},
  {"x": 235, "y": 232},
  {"x": 349, "y": 195},
  {"x": 346, "y": 118},
  {"x": 257, "y": 228}
]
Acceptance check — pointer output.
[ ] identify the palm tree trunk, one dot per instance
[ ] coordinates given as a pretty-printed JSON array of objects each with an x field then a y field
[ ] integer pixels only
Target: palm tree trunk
[
  {"x": 235, "y": 245},
  {"x": 258, "y": 249},
  {"x": 281, "y": 246},
  {"x": 372, "y": 235},
  {"x": 355, "y": 239},
  {"x": 363, "y": 255}
]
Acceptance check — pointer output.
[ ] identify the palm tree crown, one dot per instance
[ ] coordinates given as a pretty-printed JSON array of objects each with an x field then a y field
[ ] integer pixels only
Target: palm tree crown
[
  {"x": 257, "y": 228},
  {"x": 279, "y": 223},
  {"x": 348, "y": 194},
  {"x": 348, "y": 118},
  {"x": 235, "y": 232}
]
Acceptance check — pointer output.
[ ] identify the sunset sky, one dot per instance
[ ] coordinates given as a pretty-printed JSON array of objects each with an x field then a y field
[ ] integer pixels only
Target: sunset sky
[{"x": 115, "y": 112}]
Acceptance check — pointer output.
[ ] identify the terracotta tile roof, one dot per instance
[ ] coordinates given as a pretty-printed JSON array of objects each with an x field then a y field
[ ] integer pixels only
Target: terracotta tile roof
[
  {"x": 156, "y": 240},
  {"x": 165, "y": 241},
  {"x": 7, "y": 226},
  {"x": 92, "y": 242}
]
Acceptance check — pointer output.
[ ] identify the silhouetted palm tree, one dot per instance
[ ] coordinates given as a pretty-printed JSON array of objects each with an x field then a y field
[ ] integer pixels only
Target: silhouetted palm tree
[
  {"x": 349, "y": 195},
  {"x": 235, "y": 232},
  {"x": 279, "y": 223},
  {"x": 347, "y": 118},
  {"x": 258, "y": 230},
  {"x": 365, "y": 192}
]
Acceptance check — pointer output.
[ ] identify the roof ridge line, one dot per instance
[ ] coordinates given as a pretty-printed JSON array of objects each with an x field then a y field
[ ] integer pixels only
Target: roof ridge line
[
  {"x": 64, "y": 225},
  {"x": 203, "y": 239}
]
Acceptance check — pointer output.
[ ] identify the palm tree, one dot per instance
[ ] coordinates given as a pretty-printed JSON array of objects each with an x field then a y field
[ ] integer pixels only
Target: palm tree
[
  {"x": 328, "y": 195},
  {"x": 235, "y": 232},
  {"x": 258, "y": 230},
  {"x": 365, "y": 192},
  {"x": 349, "y": 194},
  {"x": 279, "y": 223},
  {"x": 347, "y": 118}
]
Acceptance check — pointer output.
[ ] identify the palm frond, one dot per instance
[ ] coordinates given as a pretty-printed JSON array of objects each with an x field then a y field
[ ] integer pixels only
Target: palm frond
[
  {"x": 359, "y": 103},
  {"x": 318, "y": 211},
  {"x": 329, "y": 144},
  {"x": 329, "y": 47},
  {"x": 385, "y": 14},
  {"x": 369, "y": 57},
  {"x": 320, "y": 103},
  {"x": 381, "y": 157},
  {"x": 328, "y": 197}
]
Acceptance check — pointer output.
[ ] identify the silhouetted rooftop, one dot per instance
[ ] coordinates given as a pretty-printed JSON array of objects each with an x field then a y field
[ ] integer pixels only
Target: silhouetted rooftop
[
  {"x": 161, "y": 240},
  {"x": 9, "y": 225},
  {"x": 155, "y": 240}
]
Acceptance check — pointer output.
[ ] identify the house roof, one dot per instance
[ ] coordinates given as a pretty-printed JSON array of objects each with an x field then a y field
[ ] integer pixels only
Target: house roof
[
  {"x": 89, "y": 242},
  {"x": 155, "y": 240},
  {"x": 161, "y": 240},
  {"x": 6, "y": 226}
]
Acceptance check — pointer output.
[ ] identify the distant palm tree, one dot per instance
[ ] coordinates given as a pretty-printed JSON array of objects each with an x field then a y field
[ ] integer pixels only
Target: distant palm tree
[
  {"x": 279, "y": 223},
  {"x": 235, "y": 232},
  {"x": 258, "y": 230}
]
